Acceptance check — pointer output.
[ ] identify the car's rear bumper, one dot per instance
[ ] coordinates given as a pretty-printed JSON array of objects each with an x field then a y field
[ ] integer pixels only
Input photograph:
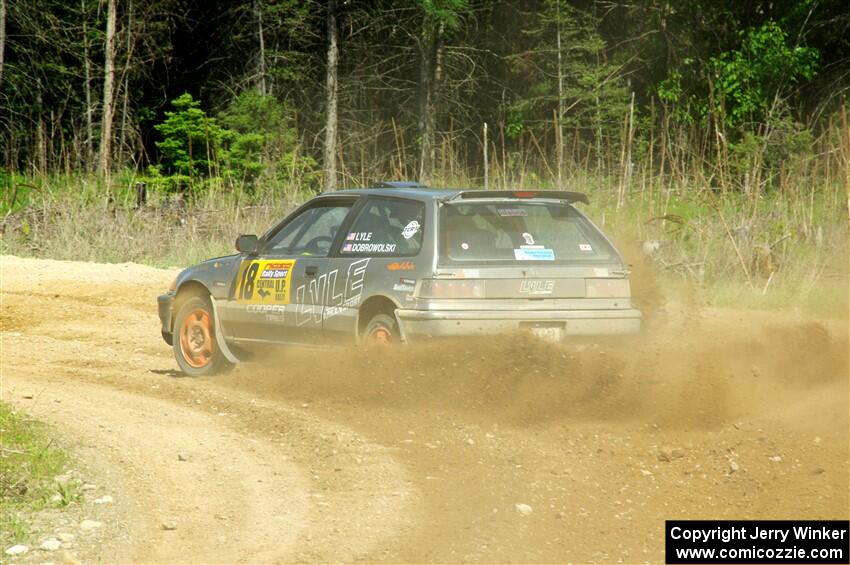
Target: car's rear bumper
[
  {"x": 446, "y": 323},
  {"x": 165, "y": 303}
]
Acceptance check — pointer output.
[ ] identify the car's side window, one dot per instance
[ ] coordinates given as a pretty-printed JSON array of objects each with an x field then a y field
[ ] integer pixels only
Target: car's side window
[
  {"x": 386, "y": 227},
  {"x": 311, "y": 232}
]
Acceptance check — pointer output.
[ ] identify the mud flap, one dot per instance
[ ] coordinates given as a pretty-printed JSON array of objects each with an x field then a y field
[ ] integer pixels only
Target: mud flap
[
  {"x": 402, "y": 336},
  {"x": 222, "y": 343}
]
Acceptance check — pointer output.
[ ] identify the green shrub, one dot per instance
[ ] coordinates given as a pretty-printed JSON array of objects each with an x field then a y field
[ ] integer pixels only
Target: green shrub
[
  {"x": 191, "y": 141},
  {"x": 263, "y": 143},
  {"x": 250, "y": 141}
]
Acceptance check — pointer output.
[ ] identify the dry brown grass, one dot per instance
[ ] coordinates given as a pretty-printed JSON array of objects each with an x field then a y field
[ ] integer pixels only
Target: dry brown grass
[{"x": 767, "y": 236}]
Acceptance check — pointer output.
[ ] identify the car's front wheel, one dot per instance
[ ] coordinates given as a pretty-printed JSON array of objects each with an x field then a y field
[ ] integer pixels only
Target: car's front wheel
[
  {"x": 381, "y": 330},
  {"x": 195, "y": 344}
]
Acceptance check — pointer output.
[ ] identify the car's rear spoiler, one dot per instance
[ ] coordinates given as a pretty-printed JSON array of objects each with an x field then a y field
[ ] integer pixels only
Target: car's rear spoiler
[{"x": 564, "y": 195}]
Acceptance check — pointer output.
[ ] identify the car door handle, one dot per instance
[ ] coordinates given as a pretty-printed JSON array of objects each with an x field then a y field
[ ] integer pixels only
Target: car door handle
[{"x": 311, "y": 270}]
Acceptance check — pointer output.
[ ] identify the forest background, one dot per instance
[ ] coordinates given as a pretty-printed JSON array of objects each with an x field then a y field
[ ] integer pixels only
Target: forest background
[{"x": 711, "y": 136}]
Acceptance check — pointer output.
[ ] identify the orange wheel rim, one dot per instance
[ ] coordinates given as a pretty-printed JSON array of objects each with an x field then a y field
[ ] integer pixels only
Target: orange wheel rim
[
  {"x": 381, "y": 336},
  {"x": 196, "y": 339}
]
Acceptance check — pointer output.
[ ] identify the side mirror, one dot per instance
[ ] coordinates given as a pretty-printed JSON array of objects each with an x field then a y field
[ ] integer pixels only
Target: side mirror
[{"x": 248, "y": 244}]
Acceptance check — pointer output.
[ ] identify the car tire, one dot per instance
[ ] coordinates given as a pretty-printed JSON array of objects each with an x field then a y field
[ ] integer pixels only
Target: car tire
[
  {"x": 381, "y": 330},
  {"x": 195, "y": 342}
]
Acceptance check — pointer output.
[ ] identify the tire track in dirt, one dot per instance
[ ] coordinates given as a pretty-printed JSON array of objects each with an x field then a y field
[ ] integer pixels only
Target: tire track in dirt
[
  {"x": 421, "y": 454},
  {"x": 219, "y": 498},
  {"x": 263, "y": 483}
]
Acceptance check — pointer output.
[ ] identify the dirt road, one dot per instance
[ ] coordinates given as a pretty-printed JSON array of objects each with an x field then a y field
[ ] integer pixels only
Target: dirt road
[{"x": 424, "y": 454}]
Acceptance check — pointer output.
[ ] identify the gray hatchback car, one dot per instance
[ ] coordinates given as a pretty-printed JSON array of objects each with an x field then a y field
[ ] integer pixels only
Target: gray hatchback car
[{"x": 399, "y": 263}]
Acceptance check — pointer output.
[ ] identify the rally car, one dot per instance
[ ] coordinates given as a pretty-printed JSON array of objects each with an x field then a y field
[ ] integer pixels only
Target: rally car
[{"x": 401, "y": 262}]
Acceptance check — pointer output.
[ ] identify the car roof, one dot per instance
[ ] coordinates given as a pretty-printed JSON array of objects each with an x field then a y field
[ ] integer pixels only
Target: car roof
[
  {"x": 417, "y": 193},
  {"x": 424, "y": 193}
]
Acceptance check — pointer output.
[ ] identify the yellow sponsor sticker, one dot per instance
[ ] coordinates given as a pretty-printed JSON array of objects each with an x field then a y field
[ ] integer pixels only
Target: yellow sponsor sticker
[{"x": 264, "y": 281}]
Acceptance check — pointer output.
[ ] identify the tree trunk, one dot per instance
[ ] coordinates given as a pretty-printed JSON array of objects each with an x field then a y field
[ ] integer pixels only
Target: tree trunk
[
  {"x": 486, "y": 160},
  {"x": 40, "y": 161},
  {"x": 105, "y": 161},
  {"x": 559, "y": 142},
  {"x": 87, "y": 144},
  {"x": 331, "y": 91},
  {"x": 261, "y": 84},
  {"x": 122, "y": 138},
  {"x": 2, "y": 36},
  {"x": 125, "y": 86},
  {"x": 429, "y": 73}
]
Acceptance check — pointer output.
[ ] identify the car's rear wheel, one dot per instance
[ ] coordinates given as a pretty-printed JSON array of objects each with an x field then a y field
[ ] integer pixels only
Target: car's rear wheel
[
  {"x": 195, "y": 344},
  {"x": 382, "y": 330}
]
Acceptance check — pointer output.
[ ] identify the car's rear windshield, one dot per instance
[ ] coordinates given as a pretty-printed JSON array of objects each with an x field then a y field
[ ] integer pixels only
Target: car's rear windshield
[{"x": 509, "y": 231}]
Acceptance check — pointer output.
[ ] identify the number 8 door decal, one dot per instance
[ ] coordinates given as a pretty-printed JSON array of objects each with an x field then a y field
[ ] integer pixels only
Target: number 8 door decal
[
  {"x": 246, "y": 289},
  {"x": 265, "y": 281}
]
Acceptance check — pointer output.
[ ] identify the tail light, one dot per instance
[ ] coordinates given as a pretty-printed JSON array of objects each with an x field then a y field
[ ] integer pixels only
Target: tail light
[
  {"x": 607, "y": 288},
  {"x": 451, "y": 288}
]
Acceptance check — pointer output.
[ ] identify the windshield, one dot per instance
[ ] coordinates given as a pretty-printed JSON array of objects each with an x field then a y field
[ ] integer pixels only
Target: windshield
[{"x": 516, "y": 232}]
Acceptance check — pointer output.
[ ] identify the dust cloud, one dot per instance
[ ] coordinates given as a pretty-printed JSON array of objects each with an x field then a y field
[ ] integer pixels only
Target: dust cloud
[
  {"x": 723, "y": 414},
  {"x": 708, "y": 413},
  {"x": 689, "y": 369}
]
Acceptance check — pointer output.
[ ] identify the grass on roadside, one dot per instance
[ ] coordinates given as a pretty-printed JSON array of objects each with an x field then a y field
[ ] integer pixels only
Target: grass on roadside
[
  {"x": 827, "y": 300},
  {"x": 784, "y": 248},
  {"x": 29, "y": 463}
]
